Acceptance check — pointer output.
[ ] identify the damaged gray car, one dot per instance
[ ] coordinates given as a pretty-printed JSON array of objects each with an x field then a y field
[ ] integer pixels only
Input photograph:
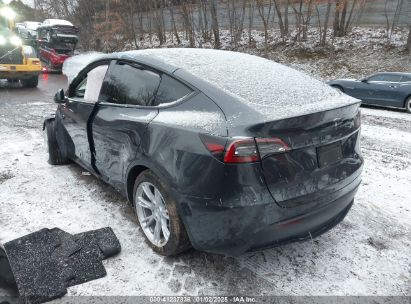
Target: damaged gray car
[{"x": 220, "y": 151}]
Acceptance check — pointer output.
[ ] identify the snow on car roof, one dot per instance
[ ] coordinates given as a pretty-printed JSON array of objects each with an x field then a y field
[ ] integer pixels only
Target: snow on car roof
[
  {"x": 73, "y": 65},
  {"x": 272, "y": 89},
  {"x": 269, "y": 88},
  {"x": 51, "y": 22}
]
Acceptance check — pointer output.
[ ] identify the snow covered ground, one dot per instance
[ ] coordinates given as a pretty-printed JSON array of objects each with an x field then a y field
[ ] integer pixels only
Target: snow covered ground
[{"x": 368, "y": 254}]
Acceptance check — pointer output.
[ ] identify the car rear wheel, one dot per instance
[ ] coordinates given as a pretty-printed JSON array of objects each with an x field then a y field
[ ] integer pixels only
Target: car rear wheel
[
  {"x": 158, "y": 216},
  {"x": 31, "y": 82},
  {"x": 56, "y": 157},
  {"x": 408, "y": 105}
]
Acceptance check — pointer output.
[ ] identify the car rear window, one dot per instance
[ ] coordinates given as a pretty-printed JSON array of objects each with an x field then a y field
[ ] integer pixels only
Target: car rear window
[{"x": 171, "y": 90}]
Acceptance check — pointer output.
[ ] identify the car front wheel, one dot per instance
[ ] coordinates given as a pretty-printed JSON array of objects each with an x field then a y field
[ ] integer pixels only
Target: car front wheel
[
  {"x": 408, "y": 105},
  {"x": 56, "y": 157},
  {"x": 158, "y": 216}
]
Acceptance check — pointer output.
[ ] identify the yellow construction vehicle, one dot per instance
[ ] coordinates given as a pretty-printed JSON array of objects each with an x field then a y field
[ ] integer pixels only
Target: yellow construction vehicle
[{"x": 18, "y": 62}]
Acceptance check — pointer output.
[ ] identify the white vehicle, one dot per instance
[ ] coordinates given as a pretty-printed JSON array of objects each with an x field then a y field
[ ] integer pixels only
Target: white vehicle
[
  {"x": 53, "y": 22},
  {"x": 28, "y": 30},
  {"x": 57, "y": 31}
]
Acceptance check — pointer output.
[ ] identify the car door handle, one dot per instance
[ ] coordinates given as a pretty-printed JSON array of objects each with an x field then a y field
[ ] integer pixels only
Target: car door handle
[{"x": 393, "y": 86}]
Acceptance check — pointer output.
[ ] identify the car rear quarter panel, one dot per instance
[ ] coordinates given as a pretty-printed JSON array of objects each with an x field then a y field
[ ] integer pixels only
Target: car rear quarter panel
[{"x": 172, "y": 145}]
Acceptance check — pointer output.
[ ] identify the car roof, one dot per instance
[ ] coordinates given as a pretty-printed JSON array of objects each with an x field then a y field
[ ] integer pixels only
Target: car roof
[
  {"x": 394, "y": 73},
  {"x": 239, "y": 83},
  {"x": 51, "y": 22},
  {"x": 245, "y": 81}
]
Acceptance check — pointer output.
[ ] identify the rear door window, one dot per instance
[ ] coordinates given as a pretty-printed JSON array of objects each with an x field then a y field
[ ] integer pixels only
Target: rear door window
[
  {"x": 134, "y": 85},
  {"x": 392, "y": 78},
  {"x": 406, "y": 79},
  {"x": 131, "y": 85},
  {"x": 379, "y": 77}
]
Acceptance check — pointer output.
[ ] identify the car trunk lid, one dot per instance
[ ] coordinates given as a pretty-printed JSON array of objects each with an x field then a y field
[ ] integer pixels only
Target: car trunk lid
[{"x": 323, "y": 154}]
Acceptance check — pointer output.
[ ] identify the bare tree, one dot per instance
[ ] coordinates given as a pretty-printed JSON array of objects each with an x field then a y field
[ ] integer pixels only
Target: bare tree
[
  {"x": 344, "y": 15},
  {"x": 280, "y": 17},
  {"x": 214, "y": 22},
  {"x": 392, "y": 21},
  {"x": 307, "y": 19},
  {"x": 236, "y": 15},
  {"x": 251, "y": 10},
  {"x": 174, "y": 25},
  {"x": 286, "y": 7},
  {"x": 264, "y": 11},
  {"x": 186, "y": 13},
  {"x": 327, "y": 18}
]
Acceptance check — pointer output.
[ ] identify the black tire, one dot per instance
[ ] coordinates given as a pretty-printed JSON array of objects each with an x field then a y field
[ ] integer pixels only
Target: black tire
[
  {"x": 32, "y": 82},
  {"x": 178, "y": 241},
  {"x": 56, "y": 157},
  {"x": 408, "y": 104}
]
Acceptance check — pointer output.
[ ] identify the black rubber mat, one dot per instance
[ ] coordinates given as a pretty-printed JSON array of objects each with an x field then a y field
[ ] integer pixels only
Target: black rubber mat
[{"x": 43, "y": 264}]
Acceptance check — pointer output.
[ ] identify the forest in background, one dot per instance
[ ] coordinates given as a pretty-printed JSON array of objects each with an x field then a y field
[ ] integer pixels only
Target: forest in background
[{"x": 114, "y": 25}]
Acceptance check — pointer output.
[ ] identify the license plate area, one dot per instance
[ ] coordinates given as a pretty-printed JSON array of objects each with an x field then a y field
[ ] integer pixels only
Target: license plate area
[{"x": 330, "y": 154}]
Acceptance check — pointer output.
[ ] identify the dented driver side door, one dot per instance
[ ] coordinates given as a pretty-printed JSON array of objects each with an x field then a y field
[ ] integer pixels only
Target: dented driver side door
[
  {"x": 121, "y": 119},
  {"x": 76, "y": 114}
]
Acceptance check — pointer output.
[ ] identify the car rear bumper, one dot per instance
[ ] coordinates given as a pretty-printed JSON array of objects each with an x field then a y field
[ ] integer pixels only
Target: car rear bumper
[{"x": 233, "y": 231}]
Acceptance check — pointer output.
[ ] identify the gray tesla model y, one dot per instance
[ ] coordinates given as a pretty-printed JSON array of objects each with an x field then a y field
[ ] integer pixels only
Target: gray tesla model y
[{"x": 222, "y": 151}]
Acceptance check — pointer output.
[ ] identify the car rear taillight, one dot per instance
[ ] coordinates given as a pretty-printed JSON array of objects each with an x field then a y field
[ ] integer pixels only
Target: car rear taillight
[{"x": 243, "y": 150}]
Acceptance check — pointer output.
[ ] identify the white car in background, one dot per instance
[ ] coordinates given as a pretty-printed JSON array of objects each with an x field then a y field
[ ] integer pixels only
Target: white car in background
[{"x": 28, "y": 30}]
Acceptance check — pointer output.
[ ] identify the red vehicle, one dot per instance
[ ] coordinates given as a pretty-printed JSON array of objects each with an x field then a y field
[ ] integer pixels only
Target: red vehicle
[
  {"x": 54, "y": 57},
  {"x": 57, "y": 41}
]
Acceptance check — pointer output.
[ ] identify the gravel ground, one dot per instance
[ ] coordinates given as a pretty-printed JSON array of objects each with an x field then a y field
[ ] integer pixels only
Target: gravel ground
[{"x": 367, "y": 254}]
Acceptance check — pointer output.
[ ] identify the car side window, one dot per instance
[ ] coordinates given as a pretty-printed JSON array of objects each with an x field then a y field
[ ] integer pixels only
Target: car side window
[
  {"x": 392, "y": 78},
  {"x": 406, "y": 79},
  {"x": 171, "y": 90},
  {"x": 88, "y": 90},
  {"x": 379, "y": 77},
  {"x": 130, "y": 85},
  {"x": 80, "y": 90}
]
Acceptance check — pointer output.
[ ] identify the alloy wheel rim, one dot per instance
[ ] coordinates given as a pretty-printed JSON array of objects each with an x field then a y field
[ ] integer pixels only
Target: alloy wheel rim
[{"x": 152, "y": 214}]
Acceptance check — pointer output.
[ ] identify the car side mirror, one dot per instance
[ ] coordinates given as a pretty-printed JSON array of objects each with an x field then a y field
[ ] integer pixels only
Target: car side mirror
[{"x": 60, "y": 97}]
